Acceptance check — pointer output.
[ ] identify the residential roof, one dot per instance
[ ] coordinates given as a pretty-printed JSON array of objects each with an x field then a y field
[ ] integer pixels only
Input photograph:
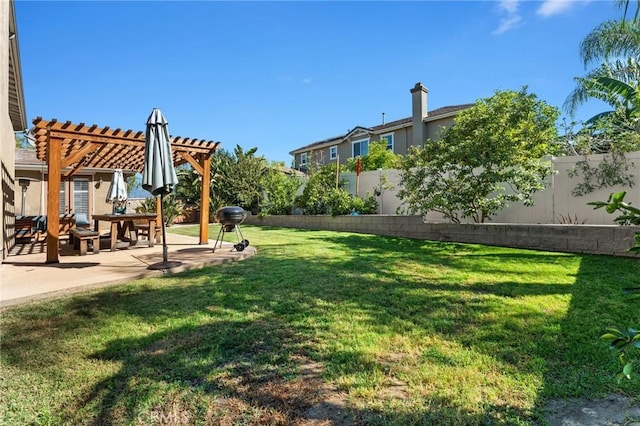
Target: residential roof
[
  {"x": 17, "y": 112},
  {"x": 27, "y": 157},
  {"x": 390, "y": 124},
  {"x": 403, "y": 122},
  {"x": 446, "y": 110}
]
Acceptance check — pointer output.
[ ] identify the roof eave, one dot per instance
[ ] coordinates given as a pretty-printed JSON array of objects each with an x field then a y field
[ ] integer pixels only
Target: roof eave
[
  {"x": 448, "y": 114},
  {"x": 17, "y": 110},
  {"x": 313, "y": 146},
  {"x": 392, "y": 128},
  {"x": 441, "y": 116}
]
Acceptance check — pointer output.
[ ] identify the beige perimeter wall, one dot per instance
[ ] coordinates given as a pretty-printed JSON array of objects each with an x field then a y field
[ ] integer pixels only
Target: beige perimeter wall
[{"x": 556, "y": 204}]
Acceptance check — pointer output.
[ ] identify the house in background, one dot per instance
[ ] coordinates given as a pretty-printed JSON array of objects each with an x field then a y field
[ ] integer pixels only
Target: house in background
[
  {"x": 399, "y": 134},
  {"x": 84, "y": 193},
  {"x": 13, "y": 118}
]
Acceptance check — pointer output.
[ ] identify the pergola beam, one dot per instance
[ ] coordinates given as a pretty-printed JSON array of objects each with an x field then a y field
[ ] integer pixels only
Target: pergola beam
[
  {"x": 79, "y": 154},
  {"x": 192, "y": 161}
]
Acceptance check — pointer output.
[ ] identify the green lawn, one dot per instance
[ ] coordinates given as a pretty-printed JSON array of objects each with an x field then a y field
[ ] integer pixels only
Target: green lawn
[{"x": 319, "y": 324}]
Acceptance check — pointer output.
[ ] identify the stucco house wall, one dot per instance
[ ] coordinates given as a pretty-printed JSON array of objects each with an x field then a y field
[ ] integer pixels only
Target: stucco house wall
[
  {"x": 32, "y": 173},
  {"x": 12, "y": 118},
  {"x": 435, "y": 127}
]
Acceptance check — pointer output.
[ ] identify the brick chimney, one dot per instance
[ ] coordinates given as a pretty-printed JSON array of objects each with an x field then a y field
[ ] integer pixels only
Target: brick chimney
[{"x": 418, "y": 113}]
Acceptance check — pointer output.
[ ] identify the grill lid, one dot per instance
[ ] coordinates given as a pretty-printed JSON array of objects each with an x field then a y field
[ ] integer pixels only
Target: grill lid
[{"x": 231, "y": 215}]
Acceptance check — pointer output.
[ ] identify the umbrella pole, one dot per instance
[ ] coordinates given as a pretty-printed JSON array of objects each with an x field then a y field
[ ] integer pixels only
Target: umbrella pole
[
  {"x": 165, "y": 264},
  {"x": 165, "y": 251}
]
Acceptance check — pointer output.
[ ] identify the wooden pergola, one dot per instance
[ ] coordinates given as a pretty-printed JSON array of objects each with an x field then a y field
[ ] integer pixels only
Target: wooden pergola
[{"x": 68, "y": 148}]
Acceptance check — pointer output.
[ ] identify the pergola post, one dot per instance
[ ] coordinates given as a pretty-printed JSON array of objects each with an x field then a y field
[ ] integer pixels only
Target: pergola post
[
  {"x": 205, "y": 164},
  {"x": 54, "y": 165}
]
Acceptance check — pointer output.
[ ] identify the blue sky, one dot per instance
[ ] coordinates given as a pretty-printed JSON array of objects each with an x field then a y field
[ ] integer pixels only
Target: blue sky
[{"x": 280, "y": 75}]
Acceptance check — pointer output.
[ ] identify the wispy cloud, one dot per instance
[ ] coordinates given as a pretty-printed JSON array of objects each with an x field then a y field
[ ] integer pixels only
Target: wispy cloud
[
  {"x": 307, "y": 80},
  {"x": 511, "y": 18},
  {"x": 555, "y": 7}
]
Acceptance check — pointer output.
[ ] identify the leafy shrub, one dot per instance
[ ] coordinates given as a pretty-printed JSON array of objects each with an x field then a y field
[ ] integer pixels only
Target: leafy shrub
[
  {"x": 319, "y": 190},
  {"x": 367, "y": 205},
  {"x": 320, "y": 196},
  {"x": 378, "y": 157},
  {"x": 625, "y": 341},
  {"x": 172, "y": 207},
  {"x": 339, "y": 202},
  {"x": 630, "y": 215},
  {"x": 279, "y": 193}
]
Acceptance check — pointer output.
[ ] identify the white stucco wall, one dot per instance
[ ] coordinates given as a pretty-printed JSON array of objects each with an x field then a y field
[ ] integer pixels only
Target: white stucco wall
[{"x": 556, "y": 204}]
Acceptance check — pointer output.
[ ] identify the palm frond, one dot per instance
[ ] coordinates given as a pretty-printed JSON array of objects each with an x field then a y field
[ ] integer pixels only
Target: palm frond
[
  {"x": 611, "y": 39},
  {"x": 602, "y": 83}
]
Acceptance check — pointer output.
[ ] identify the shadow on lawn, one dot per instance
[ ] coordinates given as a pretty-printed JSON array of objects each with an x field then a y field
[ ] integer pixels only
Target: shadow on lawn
[
  {"x": 582, "y": 365},
  {"x": 231, "y": 344}
]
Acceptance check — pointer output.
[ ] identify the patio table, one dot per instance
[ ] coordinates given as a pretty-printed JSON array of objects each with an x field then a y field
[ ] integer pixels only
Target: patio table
[{"x": 121, "y": 224}]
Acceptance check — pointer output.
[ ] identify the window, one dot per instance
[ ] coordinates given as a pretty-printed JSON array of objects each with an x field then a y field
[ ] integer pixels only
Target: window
[
  {"x": 63, "y": 198},
  {"x": 303, "y": 159},
  {"x": 389, "y": 138},
  {"x": 333, "y": 152},
  {"x": 81, "y": 196},
  {"x": 74, "y": 196},
  {"x": 360, "y": 147}
]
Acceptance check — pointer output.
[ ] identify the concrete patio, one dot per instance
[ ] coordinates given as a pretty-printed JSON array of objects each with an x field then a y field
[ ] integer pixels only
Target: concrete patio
[{"x": 24, "y": 276}]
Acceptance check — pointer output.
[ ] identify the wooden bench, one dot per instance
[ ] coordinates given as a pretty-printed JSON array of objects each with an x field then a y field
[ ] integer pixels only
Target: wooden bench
[{"x": 80, "y": 238}]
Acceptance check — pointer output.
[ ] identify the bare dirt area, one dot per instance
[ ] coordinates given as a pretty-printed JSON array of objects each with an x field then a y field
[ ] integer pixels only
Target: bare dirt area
[{"x": 614, "y": 410}]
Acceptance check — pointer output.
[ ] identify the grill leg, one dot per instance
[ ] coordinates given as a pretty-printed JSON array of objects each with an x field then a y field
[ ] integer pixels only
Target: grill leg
[
  {"x": 215, "y": 245},
  {"x": 239, "y": 234}
]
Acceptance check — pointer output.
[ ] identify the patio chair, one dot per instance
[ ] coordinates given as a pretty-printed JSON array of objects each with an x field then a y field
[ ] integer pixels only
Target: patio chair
[
  {"x": 26, "y": 228},
  {"x": 142, "y": 229}
]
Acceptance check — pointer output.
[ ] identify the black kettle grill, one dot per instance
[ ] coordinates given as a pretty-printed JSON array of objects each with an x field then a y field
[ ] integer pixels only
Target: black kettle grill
[{"x": 230, "y": 218}]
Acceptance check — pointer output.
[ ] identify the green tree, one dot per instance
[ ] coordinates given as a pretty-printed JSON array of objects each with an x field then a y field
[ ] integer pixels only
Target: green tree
[
  {"x": 319, "y": 189},
  {"x": 613, "y": 83},
  {"x": 133, "y": 182},
  {"x": 611, "y": 134},
  {"x": 237, "y": 178},
  {"x": 491, "y": 156},
  {"x": 280, "y": 191},
  {"x": 21, "y": 141},
  {"x": 189, "y": 185},
  {"x": 613, "y": 38},
  {"x": 615, "y": 45},
  {"x": 378, "y": 157}
]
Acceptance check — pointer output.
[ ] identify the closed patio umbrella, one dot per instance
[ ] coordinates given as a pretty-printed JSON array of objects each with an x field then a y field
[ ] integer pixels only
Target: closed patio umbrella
[
  {"x": 117, "y": 193},
  {"x": 159, "y": 175}
]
